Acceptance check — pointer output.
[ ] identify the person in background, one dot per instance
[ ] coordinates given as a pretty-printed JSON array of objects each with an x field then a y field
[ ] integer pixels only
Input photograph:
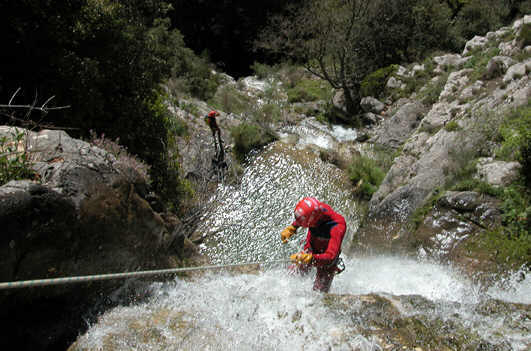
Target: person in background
[
  {"x": 210, "y": 119},
  {"x": 326, "y": 229}
]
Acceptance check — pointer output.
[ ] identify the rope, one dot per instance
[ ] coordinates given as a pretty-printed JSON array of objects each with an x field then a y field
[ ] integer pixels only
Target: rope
[{"x": 95, "y": 277}]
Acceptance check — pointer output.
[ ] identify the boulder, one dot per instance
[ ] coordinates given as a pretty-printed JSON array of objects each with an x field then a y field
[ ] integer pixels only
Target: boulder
[
  {"x": 475, "y": 43},
  {"x": 456, "y": 218},
  {"x": 517, "y": 71},
  {"x": 456, "y": 81},
  {"x": 393, "y": 83},
  {"x": 87, "y": 215},
  {"x": 395, "y": 130},
  {"x": 339, "y": 101},
  {"x": 370, "y": 104},
  {"x": 509, "y": 48},
  {"x": 498, "y": 173},
  {"x": 449, "y": 60},
  {"x": 498, "y": 65}
]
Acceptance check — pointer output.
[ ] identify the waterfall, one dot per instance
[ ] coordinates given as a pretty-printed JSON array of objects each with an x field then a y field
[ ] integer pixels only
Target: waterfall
[{"x": 275, "y": 310}]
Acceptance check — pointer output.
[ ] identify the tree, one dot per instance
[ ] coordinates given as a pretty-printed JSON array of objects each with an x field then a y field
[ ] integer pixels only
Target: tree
[
  {"x": 329, "y": 38},
  {"x": 104, "y": 58}
]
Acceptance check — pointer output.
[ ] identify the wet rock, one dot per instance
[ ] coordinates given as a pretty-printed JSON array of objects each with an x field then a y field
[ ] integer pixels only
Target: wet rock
[
  {"x": 393, "y": 324},
  {"x": 89, "y": 215}
]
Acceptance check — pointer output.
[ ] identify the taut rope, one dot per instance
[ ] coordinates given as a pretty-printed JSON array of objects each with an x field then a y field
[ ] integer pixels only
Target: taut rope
[{"x": 89, "y": 278}]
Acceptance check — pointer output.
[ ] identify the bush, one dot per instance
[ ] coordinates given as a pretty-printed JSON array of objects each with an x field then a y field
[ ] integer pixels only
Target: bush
[
  {"x": 374, "y": 83},
  {"x": 14, "y": 158},
  {"x": 124, "y": 159},
  {"x": 248, "y": 137},
  {"x": 524, "y": 36},
  {"x": 262, "y": 71},
  {"x": 310, "y": 90},
  {"x": 511, "y": 242},
  {"x": 477, "y": 17},
  {"x": 231, "y": 100},
  {"x": 515, "y": 135},
  {"x": 452, "y": 126},
  {"x": 365, "y": 174}
]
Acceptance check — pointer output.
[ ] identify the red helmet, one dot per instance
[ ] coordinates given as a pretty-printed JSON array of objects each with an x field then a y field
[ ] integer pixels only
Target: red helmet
[
  {"x": 308, "y": 212},
  {"x": 213, "y": 113}
]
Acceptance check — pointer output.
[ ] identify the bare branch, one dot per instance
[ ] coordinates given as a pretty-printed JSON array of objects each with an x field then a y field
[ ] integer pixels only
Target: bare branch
[
  {"x": 32, "y": 107},
  {"x": 12, "y": 97}
]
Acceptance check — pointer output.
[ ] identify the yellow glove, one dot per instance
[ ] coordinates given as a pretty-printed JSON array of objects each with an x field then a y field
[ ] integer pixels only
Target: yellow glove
[
  {"x": 287, "y": 233},
  {"x": 301, "y": 258}
]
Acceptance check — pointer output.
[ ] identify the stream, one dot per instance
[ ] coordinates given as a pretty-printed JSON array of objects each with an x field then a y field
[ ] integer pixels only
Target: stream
[{"x": 378, "y": 303}]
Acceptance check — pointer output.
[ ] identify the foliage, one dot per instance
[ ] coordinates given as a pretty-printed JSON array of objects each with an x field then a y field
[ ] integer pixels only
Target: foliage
[
  {"x": 15, "y": 163},
  {"x": 477, "y": 185},
  {"x": 524, "y": 36},
  {"x": 366, "y": 175},
  {"x": 452, "y": 126},
  {"x": 124, "y": 160},
  {"x": 248, "y": 137},
  {"x": 106, "y": 59},
  {"x": 374, "y": 83},
  {"x": 309, "y": 90},
  {"x": 477, "y": 17},
  {"x": 430, "y": 93},
  {"x": 263, "y": 71},
  {"x": 511, "y": 241},
  {"x": 515, "y": 135},
  {"x": 231, "y": 100},
  {"x": 478, "y": 62},
  {"x": 324, "y": 35}
]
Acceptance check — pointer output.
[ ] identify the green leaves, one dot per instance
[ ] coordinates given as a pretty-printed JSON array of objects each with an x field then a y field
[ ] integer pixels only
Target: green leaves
[{"x": 14, "y": 158}]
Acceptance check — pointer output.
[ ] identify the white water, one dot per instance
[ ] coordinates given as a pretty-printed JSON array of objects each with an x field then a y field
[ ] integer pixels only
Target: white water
[
  {"x": 277, "y": 311},
  {"x": 246, "y": 224},
  {"x": 273, "y": 310}
]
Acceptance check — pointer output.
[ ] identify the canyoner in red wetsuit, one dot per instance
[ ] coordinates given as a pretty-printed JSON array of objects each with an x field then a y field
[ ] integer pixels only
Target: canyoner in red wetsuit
[{"x": 326, "y": 229}]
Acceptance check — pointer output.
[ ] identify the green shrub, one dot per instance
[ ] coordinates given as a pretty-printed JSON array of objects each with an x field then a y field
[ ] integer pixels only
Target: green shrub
[
  {"x": 477, "y": 186},
  {"x": 515, "y": 135},
  {"x": 231, "y": 100},
  {"x": 511, "y": 242},
  {"x": 452, "y": 126},
  {"x": 509, "y": 250},
  {"x": 477, "y": 17},
  {"x": 248, "y": 137},
  {"x": 310, "y": 90},
  {"x": 478, "y": 62},
  {"x": 365, "y": 174},
  {"x": 262, "y": 71},
  {"x": 374, "y": 83},
  {"x": 15, "y": 163},
  {"x": 433, "y": 90}
]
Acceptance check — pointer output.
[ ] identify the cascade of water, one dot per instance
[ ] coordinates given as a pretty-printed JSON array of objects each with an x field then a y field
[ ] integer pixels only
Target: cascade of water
[
  {"x": 273, "y": 310},
  {"x": 245, "y": 226}
]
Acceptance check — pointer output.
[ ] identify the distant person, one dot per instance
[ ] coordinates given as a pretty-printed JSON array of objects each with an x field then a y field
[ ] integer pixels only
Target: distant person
[
  {"x": 326, "y": 229},
  {"x": 210, "y": 119}
]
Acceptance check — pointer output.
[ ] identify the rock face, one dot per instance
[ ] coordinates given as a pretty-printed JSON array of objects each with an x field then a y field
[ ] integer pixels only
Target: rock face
[
  {"x": 394, "y": 131},
  {"x": 435, "y": 145},
  {"x": 87, "y": 215}
]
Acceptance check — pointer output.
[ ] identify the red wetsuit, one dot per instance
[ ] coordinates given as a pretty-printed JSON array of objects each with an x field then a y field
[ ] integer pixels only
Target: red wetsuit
[{"x": 324, "y": 242}]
